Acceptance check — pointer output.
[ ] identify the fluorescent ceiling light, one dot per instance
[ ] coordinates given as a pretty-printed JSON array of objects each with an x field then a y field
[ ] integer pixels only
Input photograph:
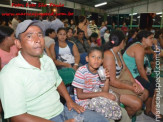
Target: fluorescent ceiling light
[
  {"x": 158, "y": 13},
  {"x": 133, "y": 14},
  {"x": 100, "y": 4},
  {"x": 27, "y": 0}
]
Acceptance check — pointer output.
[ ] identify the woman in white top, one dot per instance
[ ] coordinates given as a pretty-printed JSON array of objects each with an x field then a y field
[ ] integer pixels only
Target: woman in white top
[{"x": 65, "y": 53}]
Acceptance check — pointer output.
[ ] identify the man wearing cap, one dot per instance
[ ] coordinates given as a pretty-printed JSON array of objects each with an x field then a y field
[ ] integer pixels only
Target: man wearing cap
[{"x": 30, "y": 86}]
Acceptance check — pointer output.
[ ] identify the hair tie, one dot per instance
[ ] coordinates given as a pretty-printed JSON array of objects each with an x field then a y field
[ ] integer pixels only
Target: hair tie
[{"x": 112, "y": 42}]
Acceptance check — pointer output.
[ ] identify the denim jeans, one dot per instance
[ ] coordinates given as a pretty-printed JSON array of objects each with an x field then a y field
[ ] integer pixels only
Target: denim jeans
[{"x": 89, "y": 116}]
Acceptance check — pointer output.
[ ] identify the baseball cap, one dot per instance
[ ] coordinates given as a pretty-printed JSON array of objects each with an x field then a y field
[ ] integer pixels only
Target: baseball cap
[{"x": 22, "y": 27}]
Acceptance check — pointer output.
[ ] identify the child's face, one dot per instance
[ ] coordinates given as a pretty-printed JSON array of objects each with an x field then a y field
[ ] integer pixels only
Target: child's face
[
  {"x": 95, "y": 59},
  {"x": 61, "y": 35},
  {"x": 52, "y": 35}
]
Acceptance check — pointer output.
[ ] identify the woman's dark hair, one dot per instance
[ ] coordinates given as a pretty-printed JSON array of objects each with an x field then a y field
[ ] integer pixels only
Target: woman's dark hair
[
  {"x": 157, "y": 34},
  {"x": 5, "y": 31},
  {"x": 61, "y": 29},
  {"x": 131, "y": 33},
  {"x": 49, "y": 31},
  {"x": 95, "y": 49},
  {"x": 116, "y": 37},
  {"x": 142, "y": 34},
  {"x": 81, "y": 19}
]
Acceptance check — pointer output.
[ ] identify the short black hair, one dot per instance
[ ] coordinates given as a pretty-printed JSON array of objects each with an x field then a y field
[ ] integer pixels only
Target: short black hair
[
  {"x": 95, "y": 49},
  {"x": 5, "y": 31},
  {"x": 80, "y": 31},
  {"x": 49, "y": 31}
]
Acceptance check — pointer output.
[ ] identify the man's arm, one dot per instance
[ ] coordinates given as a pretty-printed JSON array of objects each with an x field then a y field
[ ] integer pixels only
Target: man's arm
[
  {"x": 70, "y": 104},
  {"x": 28, "y": 118}
]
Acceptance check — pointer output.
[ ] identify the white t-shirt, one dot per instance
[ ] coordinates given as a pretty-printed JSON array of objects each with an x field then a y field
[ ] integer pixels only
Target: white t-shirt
[
  {"x": 65, "y": 55},
  {"x": 106, "y": 37}
]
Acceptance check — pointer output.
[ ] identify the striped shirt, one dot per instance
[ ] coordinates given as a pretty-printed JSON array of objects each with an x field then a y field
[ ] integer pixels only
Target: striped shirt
[
  {"x": 118, "y": 68},
  {"x": 86, "y": 80}
]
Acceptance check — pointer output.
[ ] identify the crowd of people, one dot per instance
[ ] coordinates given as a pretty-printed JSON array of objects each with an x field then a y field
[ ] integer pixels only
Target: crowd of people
[{"x": 33, "y": 54}]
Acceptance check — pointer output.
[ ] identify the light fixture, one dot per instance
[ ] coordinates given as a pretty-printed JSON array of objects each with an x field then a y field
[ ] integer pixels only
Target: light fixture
[
  {"x": 33, "y": 3},
  {"x": 160, "y": 16},
  {"x": 100, "y": 4},
  {"x": 133, "y": 14},
  {"x": 158, "y": 13},
  {"x": 54, "y": 10},
  {"x": 27, "y": 0}
]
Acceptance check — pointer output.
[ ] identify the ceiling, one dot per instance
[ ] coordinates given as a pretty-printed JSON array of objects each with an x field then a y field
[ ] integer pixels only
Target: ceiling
[{"x": 110, "y": 3}]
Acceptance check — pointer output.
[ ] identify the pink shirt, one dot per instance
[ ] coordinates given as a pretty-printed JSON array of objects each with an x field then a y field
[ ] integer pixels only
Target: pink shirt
[{"x": 7, "y": 56}]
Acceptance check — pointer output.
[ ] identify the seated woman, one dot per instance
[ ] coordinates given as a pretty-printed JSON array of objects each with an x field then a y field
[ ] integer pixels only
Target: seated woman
[
  {"x": 64, "y": 53},
  {"x": 121, "y": 80},
  {"x": 134, "y": 58}
]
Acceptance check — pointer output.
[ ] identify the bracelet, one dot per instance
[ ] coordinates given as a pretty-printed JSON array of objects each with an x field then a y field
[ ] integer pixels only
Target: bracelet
[{"x": 76, "y": 64}]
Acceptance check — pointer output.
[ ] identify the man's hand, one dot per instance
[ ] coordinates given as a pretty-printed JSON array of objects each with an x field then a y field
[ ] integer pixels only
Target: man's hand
[{"x": 76, "y": 107}]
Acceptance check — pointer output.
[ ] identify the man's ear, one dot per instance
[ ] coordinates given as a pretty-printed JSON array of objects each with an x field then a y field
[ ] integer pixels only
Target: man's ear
[
  {"x": 17, "y": 43},
  {"x": 86, "y": 58}
]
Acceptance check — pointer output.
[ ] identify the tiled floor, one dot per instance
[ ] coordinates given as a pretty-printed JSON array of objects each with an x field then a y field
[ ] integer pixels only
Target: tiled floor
[{"x": 144, "y": 118}]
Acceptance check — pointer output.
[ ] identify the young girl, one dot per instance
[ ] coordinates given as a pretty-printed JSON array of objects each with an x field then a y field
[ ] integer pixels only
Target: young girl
[
  {"x": 93, "y": 39},
  {"x": 64, "y": 52}
]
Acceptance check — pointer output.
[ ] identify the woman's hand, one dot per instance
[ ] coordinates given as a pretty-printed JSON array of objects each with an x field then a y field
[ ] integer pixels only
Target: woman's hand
[
  {"x": 107, "y": 74},
  {"x": 68, "y": 65},
  {"x": 137, "y": 88},
  {"x": 75, "y": 67}
]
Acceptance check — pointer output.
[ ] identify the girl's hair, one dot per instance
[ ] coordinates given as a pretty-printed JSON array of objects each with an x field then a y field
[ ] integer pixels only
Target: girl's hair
[
  {"x": 139, "y": 37},
  {"x": 92, "y": 49},
  {"x": 157, "y": 34},
  {"x": 81, "y": 19},
  {"x": 61, "y": 29},
  {"x": 94, "y": 35},
  {"x": 5, "y": 31},
  {"x": 49, "y": 31},
  {"x": 116, "y": 37}
]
